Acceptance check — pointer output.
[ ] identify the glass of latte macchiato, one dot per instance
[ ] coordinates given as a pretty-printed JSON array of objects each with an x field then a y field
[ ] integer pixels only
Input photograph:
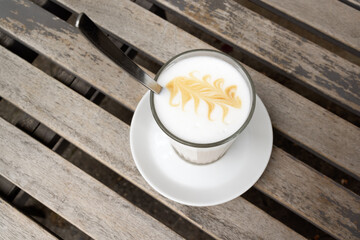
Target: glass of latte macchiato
[{"x": 207, "y": 100}]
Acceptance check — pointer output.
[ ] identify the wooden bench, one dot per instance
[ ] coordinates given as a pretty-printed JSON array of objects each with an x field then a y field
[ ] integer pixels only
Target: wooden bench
[{"x": 69, "y": 192}]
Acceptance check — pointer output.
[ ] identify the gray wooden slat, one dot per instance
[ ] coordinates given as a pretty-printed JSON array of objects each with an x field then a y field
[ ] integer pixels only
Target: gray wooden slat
[
  {"x": 106, "y": 138},
  {"x": 71, "y": 193},
  {"x": 302, "y": 189},
  {"x": 15, "y": 225},
  {"x": 353, "y": 3},
  {"x": 301, "y": 120},
  {"x": 332, "y": 19},
  {"x": 330, "y": 75}
]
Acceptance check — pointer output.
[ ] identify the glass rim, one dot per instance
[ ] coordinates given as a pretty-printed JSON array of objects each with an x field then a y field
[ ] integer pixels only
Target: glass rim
[{"x": 212, "y": 144}]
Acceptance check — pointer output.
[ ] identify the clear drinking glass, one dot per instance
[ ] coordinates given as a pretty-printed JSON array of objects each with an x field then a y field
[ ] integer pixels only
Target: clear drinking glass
[{"x": 209, "y": 152}]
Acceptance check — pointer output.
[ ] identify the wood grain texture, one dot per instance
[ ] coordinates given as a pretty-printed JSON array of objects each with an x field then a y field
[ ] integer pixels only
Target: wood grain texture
[
  {"x": 71, "y": 193},
  {"x": 323, "y": 133},
  {"x": 330, "y": 75},
  {"x": 15, "y": 225},
  {"x": 106, "y": 138},
  {"x": 308, "y": 193},
  {"x": 331, "y": 19}
]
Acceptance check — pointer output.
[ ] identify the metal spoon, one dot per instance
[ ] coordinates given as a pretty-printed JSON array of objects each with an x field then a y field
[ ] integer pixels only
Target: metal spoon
[{"x": 97, "y": 37}]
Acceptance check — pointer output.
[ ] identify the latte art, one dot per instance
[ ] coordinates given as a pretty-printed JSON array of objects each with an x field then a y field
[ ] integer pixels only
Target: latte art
[
  {"x": 191, "y": 87},
  {"x": 205, "y": 99}
]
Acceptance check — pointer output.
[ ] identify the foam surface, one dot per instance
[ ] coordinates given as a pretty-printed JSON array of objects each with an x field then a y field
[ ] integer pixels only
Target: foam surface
[{"x": 195, "y": 126}]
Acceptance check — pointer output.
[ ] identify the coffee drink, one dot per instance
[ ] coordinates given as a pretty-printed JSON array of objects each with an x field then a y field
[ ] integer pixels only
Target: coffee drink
[{"x": 206, "y": 99}]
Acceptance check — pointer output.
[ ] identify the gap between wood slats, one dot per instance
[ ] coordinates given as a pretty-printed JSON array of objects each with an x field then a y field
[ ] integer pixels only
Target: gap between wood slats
[{"x": 352, "y": 3}]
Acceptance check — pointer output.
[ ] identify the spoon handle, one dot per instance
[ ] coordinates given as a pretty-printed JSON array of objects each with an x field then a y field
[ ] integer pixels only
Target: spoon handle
[{"x": 97, "y": 37}]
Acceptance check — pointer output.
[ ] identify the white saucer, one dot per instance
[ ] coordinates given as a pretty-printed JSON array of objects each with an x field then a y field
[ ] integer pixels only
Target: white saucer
[{"x": 200, "y": 185}]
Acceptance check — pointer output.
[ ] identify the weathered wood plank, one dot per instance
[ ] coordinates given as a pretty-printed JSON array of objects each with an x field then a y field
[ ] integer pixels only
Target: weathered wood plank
[
  {"x": 331, "y": 19},
  {"x": 71, "y": 193},
  {"x": 71, "y": 120},
  {"x": 300, "y": 119},
  {"x": 333, "y": 77},
  {"x": 15, "y": 225},
  {"x": 107, "y": 139}
]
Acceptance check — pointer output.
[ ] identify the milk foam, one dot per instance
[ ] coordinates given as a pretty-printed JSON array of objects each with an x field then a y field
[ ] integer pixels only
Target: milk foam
[{"x": 194, "y": 126}]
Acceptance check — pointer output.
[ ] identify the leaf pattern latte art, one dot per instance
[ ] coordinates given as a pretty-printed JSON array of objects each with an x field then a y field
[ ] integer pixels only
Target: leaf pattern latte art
[{"x": 213, "y": 94}]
